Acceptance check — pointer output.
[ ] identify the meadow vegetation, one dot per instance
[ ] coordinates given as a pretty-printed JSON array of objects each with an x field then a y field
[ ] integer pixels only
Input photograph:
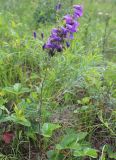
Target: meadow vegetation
[{"x": 61, "y": 107}]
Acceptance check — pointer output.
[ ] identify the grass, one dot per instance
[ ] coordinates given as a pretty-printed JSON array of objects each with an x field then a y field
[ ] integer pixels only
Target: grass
[{"x": 44, "y": 102}]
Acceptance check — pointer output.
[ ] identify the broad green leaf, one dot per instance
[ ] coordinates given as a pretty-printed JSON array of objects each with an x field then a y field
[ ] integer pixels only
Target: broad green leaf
[
  {"x": 17, "y": 89},
  {"x": 59, "y": 147},
  {"x": 90, "y": 152},
  {"x": 5, "y": 119},
  {"x": 48, "y": 128},
  {"x": 22, "y": 120},
  {"x": 78, "y": 153},
  {"x": 82, "y": 152},
  {"x": 54, "y": 155},
  {"x": 70, "y": 140}
]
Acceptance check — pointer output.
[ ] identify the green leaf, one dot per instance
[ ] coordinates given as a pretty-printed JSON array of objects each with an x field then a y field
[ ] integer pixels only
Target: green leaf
[
  {"x": 90, "y": 152},
  {"x": 48, "y": 128},
  {"x": 59, "y": 147},
  {"x": 69, "y": 141},
  {"x": 5, "y": 119},
  {"x": 22, "y": 120},
  {"x": 78, "y": 153},
  {"x": 82, "y": 152},
  {"x": 54, "y": 155},
  {"x": 16, "y": 89}
]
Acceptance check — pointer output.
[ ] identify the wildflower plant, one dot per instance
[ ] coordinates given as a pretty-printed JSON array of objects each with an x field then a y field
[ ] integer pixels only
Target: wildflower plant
[{"x": 60, "y": 37}]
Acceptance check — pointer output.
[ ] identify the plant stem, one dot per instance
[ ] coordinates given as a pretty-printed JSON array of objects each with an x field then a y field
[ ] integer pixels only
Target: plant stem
[{"x": 41, "y": 97}]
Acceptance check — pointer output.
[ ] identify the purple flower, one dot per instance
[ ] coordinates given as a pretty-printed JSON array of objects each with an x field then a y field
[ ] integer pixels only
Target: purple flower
[
  {"x": 55, "y": 31},
  {"x": 48, "y": 45},
  {"x": 58, "y": 39},
  {"x": 59, "y": 32},
  {"x": 34, "y": 35},
  {"x": 59, "y": 48},
  {"x": 78, "y": 11},
  {"x": 54, "y": 37},
  {"x": 72, "y": 28},
  {"x": 79, "y": 7},
  {"x": 51, "y": 45},
  {"x": 68, "y": 19},
  {"x": 64, "y": 30}
]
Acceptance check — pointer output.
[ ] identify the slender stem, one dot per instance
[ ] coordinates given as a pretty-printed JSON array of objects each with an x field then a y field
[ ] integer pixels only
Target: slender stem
[
  {"x": 40, "y": 106},
  {"x": 41, "y": 97},
  {"x": 41, "y": 101}
]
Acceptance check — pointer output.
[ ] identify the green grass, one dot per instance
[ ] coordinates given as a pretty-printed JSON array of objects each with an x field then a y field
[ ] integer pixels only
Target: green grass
[{"x": 75, "y": 89}]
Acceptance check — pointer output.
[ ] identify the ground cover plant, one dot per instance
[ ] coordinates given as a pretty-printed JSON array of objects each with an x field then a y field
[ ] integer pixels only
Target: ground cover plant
[{"x": 57, "y": 80}]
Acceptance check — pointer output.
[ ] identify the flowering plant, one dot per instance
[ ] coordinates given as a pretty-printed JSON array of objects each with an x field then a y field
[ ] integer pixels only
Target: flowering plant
[{"x": 60, "y": 36}]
